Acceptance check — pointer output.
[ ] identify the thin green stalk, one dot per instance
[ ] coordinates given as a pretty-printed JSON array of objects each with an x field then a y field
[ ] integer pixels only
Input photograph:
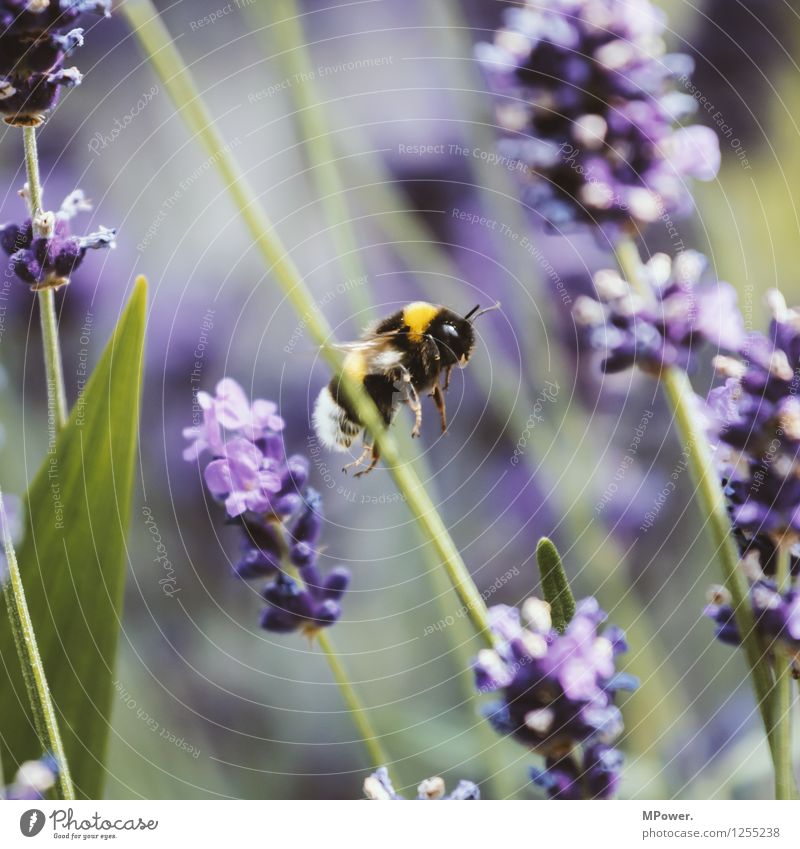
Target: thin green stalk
[
  {"x": 708, "y": 491},
  {"x": 43, "y": 711},
  {"x": 358, "y": 713},
  {"x": 54, "y": 370},
  {"x": 785, "y": 787},
  {"x": 357, "y": 710},
  {"x": 315, "y": 132},
  {"x": 168, "y": 63}
]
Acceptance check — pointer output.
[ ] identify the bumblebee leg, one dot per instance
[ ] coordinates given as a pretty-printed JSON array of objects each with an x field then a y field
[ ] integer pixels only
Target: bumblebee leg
[
  {"x": 416, "y": 406},
  {"x": 447, "y": 372},
  {"x": 360, "y": 460},
  {"x": 438, "y": 399},
  {"x": 373, "y": 461}
]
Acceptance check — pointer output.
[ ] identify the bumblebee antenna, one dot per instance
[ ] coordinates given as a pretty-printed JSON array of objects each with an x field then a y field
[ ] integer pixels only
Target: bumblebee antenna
[{"x": 473, "y": 313}]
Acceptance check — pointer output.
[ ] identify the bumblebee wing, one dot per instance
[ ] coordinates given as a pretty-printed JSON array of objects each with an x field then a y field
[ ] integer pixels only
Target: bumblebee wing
[{"x": 374, "y": 354}]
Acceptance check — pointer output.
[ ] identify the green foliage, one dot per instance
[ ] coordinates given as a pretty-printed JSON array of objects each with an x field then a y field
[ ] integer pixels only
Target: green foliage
[
  {"x": 555, "y": 584},
  {"x": 72, "y": 561}
]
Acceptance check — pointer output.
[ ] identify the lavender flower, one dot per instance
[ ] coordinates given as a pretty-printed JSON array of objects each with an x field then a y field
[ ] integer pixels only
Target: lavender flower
[
  {"x": 47, "y": 261},
  {"x": 266, "y": 494},
  {"x": 379, "y": 787},
  {"x": 594, "y": 774},
  {"x": 36, "y": 37},
  {"x": 33, "y": 780},
  {"x": 754, "y": 420},
  {"x": 557, "y": 691},
  {"x": 666, "y": 328},
  {"x": 588, "y": 104},
  {"x": 777, "y": 617}
]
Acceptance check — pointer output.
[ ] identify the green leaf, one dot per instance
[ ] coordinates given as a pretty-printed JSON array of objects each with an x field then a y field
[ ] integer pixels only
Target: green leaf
[
  {"x": 555, "y": 584},
  {"x": 72, "y": 561}
]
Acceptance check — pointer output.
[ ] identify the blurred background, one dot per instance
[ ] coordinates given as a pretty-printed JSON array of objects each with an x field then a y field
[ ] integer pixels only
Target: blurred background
[{"x": 210, "y": 705}]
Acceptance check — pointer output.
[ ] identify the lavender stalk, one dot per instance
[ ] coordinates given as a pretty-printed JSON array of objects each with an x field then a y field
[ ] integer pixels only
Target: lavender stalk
[
  {"x": 44, "y": 714},
  {"x": 678, "y": 390},
  {"x": 785, "y": 787},
  {"x": 54, "y": 371}
]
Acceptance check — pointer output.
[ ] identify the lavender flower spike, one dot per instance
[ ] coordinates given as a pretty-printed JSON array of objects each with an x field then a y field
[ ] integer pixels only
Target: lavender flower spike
[
  {"x": 665, "y": 325},
  {"x": 36, "y": 37},
  {"x": 266, "y": 493},
  {"x": 589, "y": 100},
  {"x": 379, "y": 787},
  {"x": 47, "y": 261},
  {"x": 557, "y": 693}
]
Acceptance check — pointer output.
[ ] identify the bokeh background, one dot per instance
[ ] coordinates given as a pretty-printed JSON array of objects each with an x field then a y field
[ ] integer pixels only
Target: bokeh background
[{"x": 208, "y": 704}]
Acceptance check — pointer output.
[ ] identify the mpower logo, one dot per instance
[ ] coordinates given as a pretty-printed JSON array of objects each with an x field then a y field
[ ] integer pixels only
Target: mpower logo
[{"x": 32, "y": 822}]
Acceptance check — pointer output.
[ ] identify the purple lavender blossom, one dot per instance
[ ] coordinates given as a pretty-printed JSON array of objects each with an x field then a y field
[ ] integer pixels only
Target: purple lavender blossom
[
  {"x": 36, "y": 37},
  {"x": 266, "y": 494},
  {"x": 379, "y": 787},
  {"x": 47, "y": 261},
  {"x": 587, "y": 99},
  {"x": 557, "y": 691},
  {"x": 594, "y": 774},
  {"x": 666, "y": 326},
  {"x": 33, "y": 780},
  {"x": 754, "y": 419},
  {"x": 777, "y": 616}
]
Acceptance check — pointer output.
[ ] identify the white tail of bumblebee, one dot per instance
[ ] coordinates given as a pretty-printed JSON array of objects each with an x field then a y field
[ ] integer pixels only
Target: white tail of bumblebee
[{"x": 334, "y": 428}]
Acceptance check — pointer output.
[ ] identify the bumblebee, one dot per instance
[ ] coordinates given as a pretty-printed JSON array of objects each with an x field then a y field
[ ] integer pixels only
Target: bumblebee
[{"x": 407, "y": 355}]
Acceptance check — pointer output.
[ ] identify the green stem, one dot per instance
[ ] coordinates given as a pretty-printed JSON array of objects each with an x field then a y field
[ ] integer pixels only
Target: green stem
[
  {"x": 168, "y": 63},
  {"x": 708, "y": 491},
  {"x": 54, "y": 371},
  {"x": 358, "y": 712},
  {"x": 44, "y": 715},
  {"x": 315, "y": 132},
  {"x": 785, "y": 787}
]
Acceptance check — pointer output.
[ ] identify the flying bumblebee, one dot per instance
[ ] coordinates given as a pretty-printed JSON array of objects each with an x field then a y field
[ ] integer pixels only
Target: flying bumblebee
[{"x": 409, "y": 354}]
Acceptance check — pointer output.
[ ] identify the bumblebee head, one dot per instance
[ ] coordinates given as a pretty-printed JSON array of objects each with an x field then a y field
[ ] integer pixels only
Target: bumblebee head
[
  {"x": 455, "y": 335},
  {"x": 454, "y": 338}
]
